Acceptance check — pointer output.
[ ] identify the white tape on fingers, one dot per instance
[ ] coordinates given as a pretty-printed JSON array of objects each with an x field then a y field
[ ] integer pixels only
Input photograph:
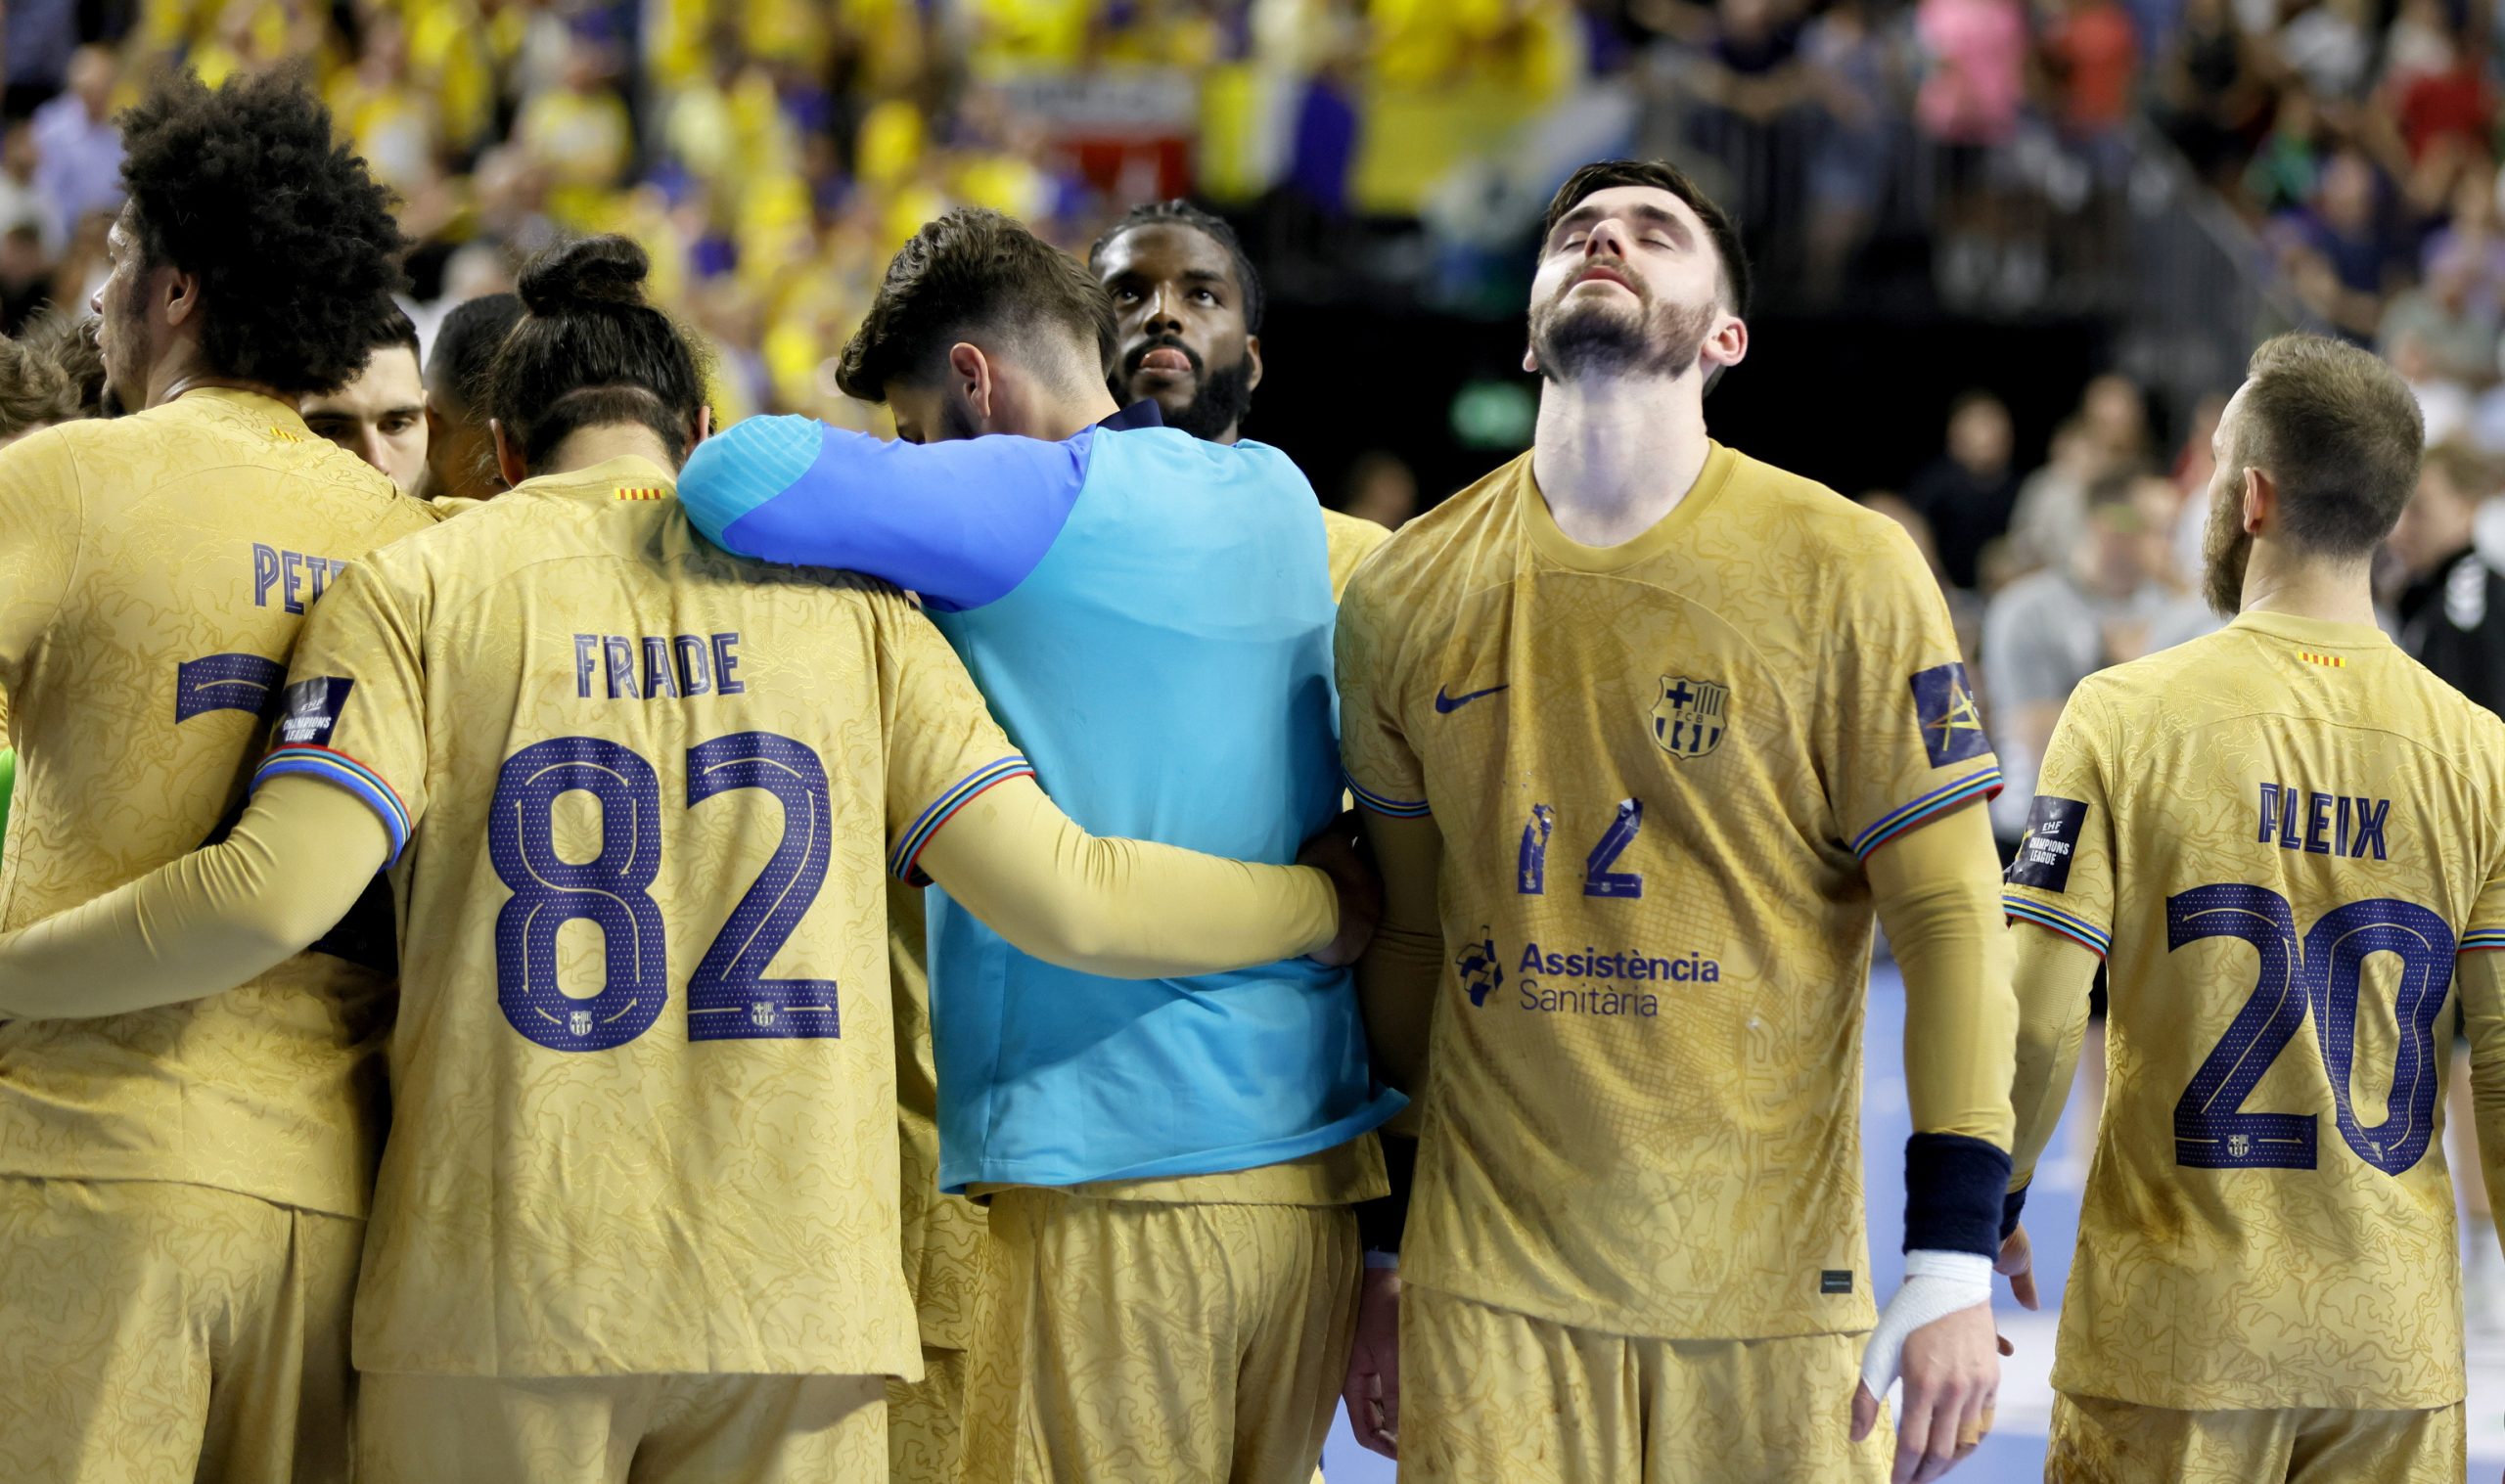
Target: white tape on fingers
[{"x": 1936, "y": 1284}]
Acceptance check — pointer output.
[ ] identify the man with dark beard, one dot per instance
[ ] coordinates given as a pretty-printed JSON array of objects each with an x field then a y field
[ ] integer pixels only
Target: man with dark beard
[
  {"x": 2290, "y": 838},
  {"x": 1644, "y": 727},
  {"x": 1189, "y": 303}
]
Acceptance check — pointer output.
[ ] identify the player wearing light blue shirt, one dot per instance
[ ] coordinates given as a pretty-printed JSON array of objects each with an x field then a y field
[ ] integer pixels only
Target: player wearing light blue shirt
[{"x": 1150, "y": 616}]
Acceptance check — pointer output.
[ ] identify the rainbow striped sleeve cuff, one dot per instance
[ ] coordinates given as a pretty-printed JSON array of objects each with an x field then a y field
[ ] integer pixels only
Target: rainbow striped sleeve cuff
[
  {"x": 909, "y": 850},
  {"x": 2078, "y": 930},
  {"x": 2482, "y": 940},
  {"x": 1400, "y": 809},
  {"x": 347, "y": 772},
  {"x": 1982, "y": 783}
]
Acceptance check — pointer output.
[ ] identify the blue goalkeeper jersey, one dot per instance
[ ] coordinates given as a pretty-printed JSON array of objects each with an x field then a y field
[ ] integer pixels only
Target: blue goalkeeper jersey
[{"x": 1150, "y": 616}]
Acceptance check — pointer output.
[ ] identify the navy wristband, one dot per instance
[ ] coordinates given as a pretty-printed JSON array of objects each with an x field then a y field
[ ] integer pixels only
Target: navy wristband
[
  {"x": 1380, "y": 1220},
  {"x": 1954, "y": 1190}
]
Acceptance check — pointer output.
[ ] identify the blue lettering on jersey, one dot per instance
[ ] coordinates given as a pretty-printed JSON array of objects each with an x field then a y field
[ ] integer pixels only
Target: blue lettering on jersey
[
  {"x": 695, "y": 665},
  {"x": 2314, "y": 822},
  {"x": 1614, "y": 982},
  {"x": 1592, "y": 964},
  {"x": 298, "y": 578},
  {"x": 1952, "y": 727},
  {"x": 657, "y": 666},
  {"x": 2051, "y": 840}
]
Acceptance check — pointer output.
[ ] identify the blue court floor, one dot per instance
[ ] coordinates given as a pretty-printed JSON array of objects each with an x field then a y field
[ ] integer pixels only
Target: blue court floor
[{"x": 2015, "y": 1451}]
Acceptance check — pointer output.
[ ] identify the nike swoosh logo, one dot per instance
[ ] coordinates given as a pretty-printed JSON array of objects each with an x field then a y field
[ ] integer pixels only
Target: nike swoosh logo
[{"x": 1446, "y": 704}]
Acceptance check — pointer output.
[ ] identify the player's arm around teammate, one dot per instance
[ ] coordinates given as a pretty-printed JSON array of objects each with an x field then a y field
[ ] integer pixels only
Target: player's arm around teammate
[{"x": 302, "y": 852}]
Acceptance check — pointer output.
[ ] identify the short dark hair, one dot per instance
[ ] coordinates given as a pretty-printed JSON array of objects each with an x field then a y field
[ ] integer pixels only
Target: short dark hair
[
  {"x": 395, "y": 329},
  {"x": 972, "y": 268},
  {"x": 52, "y": 372},
  {"x": 1661, "y": 175},
  {"x": 589, "y": 351},
  {"x": 1179, "y": 212},
  {"x": 292, "y": 240},
  {"x": 466, "y": 345},
  {"x": 2339, "y": 435}
]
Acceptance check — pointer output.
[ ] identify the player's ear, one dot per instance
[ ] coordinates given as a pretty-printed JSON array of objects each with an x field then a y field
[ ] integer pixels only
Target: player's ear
[
  {"x": 508, "y": 457},
  {"x": 2261, "y": 501},
  {"x": 1726, "y": 346},
  {"x": 702, "y": 427},
  {"x": 971, "y": 382},
  {"x": 1253, "y": 354},
  {"x": 1531, "y": 360},
  {"x": 181, "y": 292}
]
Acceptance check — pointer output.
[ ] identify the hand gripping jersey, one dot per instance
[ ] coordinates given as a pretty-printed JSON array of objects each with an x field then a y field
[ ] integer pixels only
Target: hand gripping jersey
[
  {"x": 2279, "y": 836},
  {"x": 617, "y": 762},
  {"x": 1656, "y": 768},
  {"x": 1150, "y": 616},
  {"x": 153, "y": 573}
]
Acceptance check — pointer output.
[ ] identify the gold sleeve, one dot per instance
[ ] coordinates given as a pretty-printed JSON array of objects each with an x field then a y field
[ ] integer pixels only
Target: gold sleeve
[
  {"x": 1939, "y": 895},
  {"x": 2054, "y": 975},
  {"x": 298, "y": 860},
  {"x": 2481, "y": 977},
  {"x": 1404, "y": 965},
  {"x": 1125, "y": 909}
]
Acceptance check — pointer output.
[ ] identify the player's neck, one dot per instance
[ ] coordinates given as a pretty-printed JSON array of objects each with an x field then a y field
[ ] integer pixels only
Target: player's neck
[
  {"x": 168, "y": 385},
  {"x": 1613, "y": 455},
  {"x": 586, "y": 446},
  {"x": 1064, "y": 415},
  {"x": 2305, "y": 588}
]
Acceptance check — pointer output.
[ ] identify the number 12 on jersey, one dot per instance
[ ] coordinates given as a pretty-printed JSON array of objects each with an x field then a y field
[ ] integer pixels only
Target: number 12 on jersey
[
  {"x": 1531, "y": 862},
  {"x": 2320, "y": 975}
]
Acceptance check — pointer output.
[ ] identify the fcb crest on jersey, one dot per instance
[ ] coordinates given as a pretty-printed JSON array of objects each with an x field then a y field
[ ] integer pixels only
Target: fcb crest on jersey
[
  {"x": 1952, "y": 726},
  {"x": 1688, "y": 721}
]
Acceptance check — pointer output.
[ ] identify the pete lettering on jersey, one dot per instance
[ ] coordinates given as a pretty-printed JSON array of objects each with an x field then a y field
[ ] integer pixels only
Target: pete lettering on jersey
[
  {"x": 657, "y": 666},
  {"x": 294, "y": 577}
]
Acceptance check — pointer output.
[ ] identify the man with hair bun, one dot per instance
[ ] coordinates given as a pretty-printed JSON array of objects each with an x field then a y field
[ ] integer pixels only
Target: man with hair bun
[
  {"x": 637, "y": 1217},
  {"x": 183, "y": 1188}
]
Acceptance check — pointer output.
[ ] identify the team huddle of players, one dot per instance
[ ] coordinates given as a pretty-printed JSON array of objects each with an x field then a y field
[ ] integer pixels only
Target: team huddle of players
[{"x": 498, "y": 969}]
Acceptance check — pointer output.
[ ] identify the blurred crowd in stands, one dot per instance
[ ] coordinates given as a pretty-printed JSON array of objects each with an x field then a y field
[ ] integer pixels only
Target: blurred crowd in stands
[{"x": 771, "y": 153}]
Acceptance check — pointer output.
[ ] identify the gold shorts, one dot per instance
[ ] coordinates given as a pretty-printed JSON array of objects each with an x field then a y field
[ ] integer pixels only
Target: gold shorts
[
  {"x": 1489, "y": 1396},
  {"x": 1146, "y": 1342},
  {"x": 665, "y": 1430},
  {"x": 162, "y": 1331},
  {"x": 2099, "y": 1441},
  {"x": 926, "y": 1420}
]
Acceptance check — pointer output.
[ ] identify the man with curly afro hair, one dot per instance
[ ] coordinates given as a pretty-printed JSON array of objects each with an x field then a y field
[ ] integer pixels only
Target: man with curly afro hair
[{"x": 183, "y": 1189}]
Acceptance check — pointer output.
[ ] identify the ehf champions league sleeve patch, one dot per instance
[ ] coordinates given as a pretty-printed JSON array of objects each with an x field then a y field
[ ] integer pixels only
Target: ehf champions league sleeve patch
[
  {"x": 1952, "y": 727},
  {"x": 2050, "y": 843},
  {"x": 312, "y": 710}
]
